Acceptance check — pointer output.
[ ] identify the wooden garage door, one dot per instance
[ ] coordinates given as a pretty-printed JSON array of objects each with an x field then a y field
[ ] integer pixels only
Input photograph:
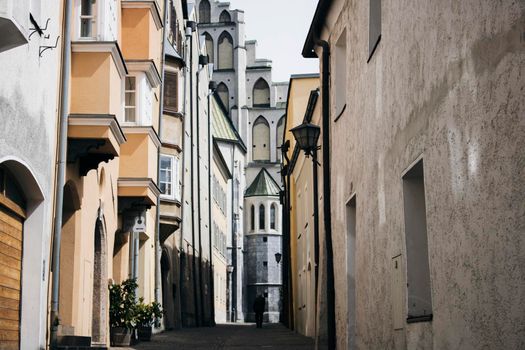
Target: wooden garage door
[{"x": 10, "y": 273}]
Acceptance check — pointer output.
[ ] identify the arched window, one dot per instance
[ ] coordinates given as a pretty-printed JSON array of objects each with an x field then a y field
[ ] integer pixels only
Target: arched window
[
  {"x": 261, "y": 94},
  {"x": 224, "y": 94},
  {"x": 272, "y": 216},
  {"x": 225, "y": 46},
  {"x": 209, "y": 47},
  {"x": 280, "y": 132},
  {"x": 252, "y": 217},
  {"x": 205, "y": 12},
  {"x": 261, "y": 140},
  {"x": 225, "y": 17},
  {"x": 261, "y": 217}
]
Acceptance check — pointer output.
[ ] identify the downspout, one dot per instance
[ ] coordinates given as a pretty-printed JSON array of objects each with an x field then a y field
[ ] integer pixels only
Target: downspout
[
  {"x": 288, "y": 229},
  {"x": 158, "y": 276},
  {"x": 234, "y": 246},
  {"x": 181, "y": 238},
  {"x": 61, "y": 170},
  {"x": 199, "y": 216},
  {"x": 212, "y": 282},
  {"x": 194, "y": 268},
  {"x": 327, "y": 196}
]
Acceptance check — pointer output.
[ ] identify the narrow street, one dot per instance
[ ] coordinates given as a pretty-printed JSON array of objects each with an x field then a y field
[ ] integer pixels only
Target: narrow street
[{"x": 229, "y": 336}]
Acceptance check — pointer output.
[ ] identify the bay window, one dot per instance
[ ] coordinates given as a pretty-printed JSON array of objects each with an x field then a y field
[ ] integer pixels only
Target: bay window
[
  {"x": 87, "y": 19},
  {"x": 168, "y": 181},
  {"x": 130, "y": 100}
]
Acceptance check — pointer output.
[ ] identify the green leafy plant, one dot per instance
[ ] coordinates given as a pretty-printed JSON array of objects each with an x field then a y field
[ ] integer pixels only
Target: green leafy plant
[
  {"x": 122, "y": 304},
  {"x": 147, "y": 314}
]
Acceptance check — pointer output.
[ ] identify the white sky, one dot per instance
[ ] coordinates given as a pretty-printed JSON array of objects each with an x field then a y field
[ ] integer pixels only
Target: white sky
[{"x": 280, "y": 28}]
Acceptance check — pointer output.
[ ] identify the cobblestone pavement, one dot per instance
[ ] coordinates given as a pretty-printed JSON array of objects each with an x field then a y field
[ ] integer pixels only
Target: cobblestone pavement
[{"x": 229, "y": 336}]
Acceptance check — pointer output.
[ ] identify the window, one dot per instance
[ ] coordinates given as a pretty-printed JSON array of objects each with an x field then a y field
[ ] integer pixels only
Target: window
[
  {"x": 340, "y": 76},
  {"x": 265, "y": 264},
  {"x": 225, "y": 17},
  {"x": 374, "y": 26},
  {"x": 209, "y": 47},
  {"x": 166, "y": 176},
  {"x": 265, "y": 239},
  {"x": 261, "y": 140},
  {"x": 418, "y": 270},
  {"x": 224, "y": 95},
  {"x": 280, "y": 135},
  {"x": 261, "y": 94},
  {"x": 171, "y": 90},
  {"x": 87, "y": 19},
  {"x": 261, "y": 217},
  {"x": 205, "y": 11},
  {"x": 252, "y": 218},
  {"x": 272, "y": 217},
  {"x": 130, "y": 100},
  {"x": 225, "y": 51}
]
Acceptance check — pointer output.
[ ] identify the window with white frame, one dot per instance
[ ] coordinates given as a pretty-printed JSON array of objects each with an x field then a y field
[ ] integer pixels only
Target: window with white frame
[
  {"x": 131, "y": 100},
  {"x": 166, "y": 181},
  {"x": 87, "y": 19}
]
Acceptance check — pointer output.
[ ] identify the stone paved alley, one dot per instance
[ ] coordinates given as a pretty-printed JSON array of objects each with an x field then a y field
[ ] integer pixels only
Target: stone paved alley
[{"x": 229, "y": 336}]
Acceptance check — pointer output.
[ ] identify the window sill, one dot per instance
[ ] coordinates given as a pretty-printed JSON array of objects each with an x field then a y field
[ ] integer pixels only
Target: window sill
[{"x": 417, "y": 319}]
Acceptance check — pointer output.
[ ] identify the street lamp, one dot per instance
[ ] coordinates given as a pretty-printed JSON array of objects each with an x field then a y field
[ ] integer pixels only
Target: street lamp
[
  {"x": 278, "y": 257},
  {"x": 307, "y": 135}
]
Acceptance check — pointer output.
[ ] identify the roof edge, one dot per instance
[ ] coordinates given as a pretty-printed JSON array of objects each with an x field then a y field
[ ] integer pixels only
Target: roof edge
[{"x": 319, "y": 19}]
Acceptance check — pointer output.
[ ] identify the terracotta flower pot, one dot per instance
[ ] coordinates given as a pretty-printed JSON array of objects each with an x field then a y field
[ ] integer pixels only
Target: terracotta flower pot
[
  {"x": 120, "y": 336},
  {"x": 144, "y": 333}
]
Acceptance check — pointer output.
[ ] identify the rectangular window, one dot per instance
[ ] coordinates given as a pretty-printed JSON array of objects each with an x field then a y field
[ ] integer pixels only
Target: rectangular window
[
  {"x": 374, "y": 26},
  {"x": 171, "y": 92},
  {"x": 265, "y": 239},
  {"x": 418, "y": 270},
  {"x": 166, "y": 176},
  {"x": 131, "y": 99},
  {"x": 265, "y": 263},
  {"x": 87, "y": 19},
  {"x": 340, "y": 76}
]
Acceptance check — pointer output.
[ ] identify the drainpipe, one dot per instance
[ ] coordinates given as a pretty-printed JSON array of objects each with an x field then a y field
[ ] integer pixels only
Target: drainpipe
[
  {"x": 212, "y": 87},
  {"x": 158, "y": 276},
  {"x": 287, "y": 235},
  {"x": 199, "y": 217},
  {"x": 234, "y": 275},
  {"x": 181, "y": 238},
  {"x": 61, "y": 169},
  {"x": 330, "y": 285},
  {"x": 191, "y": 26}
]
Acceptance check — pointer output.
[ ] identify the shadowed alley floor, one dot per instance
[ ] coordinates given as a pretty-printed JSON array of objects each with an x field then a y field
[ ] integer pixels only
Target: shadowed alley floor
[{"x": 229, "y": 336}]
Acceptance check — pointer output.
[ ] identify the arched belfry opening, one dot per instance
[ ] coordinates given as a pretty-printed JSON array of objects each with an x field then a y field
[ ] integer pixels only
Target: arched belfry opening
[
  {"x": 261, "y": 140},
  {"x": 225, "y": 51},
  {"x": 204, "y": 12},
  {"x": 261, "y": 93},
  {"x": 100, "y": 281}
]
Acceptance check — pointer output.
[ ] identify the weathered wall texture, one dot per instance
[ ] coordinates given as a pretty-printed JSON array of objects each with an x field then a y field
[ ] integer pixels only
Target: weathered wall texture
[{"x": 446, "y": 83}]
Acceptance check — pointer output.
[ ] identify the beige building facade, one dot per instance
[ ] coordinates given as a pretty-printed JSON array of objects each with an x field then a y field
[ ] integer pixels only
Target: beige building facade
[
  {"x": 426, "y": 135},
  {"x": 303, "y": 92}
]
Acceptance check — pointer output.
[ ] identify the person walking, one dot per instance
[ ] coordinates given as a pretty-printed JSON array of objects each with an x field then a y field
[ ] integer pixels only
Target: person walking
[{"x": 258, "y": 307}]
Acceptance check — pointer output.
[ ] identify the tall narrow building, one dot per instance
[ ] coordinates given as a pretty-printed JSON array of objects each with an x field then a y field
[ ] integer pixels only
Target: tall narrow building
[{"x": 256, "y": 106}]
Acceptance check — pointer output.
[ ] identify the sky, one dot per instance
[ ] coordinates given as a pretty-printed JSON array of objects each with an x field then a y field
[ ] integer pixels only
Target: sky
[{"x": 280, "y": 28}]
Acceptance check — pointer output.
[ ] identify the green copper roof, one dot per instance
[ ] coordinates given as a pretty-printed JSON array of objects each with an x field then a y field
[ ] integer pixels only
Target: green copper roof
[
  {"x": 263, "y": 185},
  {"x": 221, "y": 126}
]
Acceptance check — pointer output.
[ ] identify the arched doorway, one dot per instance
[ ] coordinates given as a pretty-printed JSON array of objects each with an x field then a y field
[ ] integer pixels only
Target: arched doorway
[
  {"x": 100, "y": 288},
  {"x": 21, "y": 231}
]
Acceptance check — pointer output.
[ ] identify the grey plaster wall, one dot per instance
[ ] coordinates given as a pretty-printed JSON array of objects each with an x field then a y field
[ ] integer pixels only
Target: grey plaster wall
[{"x": 446, "y": 83}]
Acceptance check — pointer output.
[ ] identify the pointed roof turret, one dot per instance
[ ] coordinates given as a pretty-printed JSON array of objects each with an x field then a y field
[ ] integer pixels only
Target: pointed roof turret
[{"x": 263, "y": 186}]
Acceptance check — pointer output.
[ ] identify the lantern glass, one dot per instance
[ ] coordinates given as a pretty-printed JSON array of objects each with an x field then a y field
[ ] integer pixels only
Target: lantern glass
[{"x": 306, "y": 136}]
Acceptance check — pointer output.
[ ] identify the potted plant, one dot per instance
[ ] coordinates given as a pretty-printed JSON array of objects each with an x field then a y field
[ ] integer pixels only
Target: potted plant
[
  {"x": 145, "y": 316},
  {"x": 122, "y": 312}
]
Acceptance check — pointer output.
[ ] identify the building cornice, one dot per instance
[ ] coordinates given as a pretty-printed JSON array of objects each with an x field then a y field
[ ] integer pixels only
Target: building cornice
[
  {"x": 139, "y": 182},
  {"x": 148, "y": 67},
  {"x": 108, "y": 120},
  {"x": 103, "y": 46},
  {"x": 144, "y": 130},
  {"x": 149, "y": 4}
]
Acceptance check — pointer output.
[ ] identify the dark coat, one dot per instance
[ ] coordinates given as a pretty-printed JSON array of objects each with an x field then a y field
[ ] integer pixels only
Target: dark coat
[{"x": 259, "y": 304}]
